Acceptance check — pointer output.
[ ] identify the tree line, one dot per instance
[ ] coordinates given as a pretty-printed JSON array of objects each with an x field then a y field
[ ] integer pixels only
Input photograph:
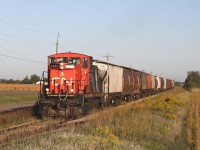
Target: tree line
[
  {"x": 27, "y": 80},
  {"x": 192, "y": 80}
]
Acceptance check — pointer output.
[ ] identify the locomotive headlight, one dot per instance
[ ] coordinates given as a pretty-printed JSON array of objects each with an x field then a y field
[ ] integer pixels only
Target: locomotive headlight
[
  {"x": 72, "y": 90},
  {"x": 47, "y": 89}
]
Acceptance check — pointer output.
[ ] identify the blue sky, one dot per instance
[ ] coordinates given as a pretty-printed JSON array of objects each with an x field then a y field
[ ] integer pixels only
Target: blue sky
[{"x": 156, "y": 36}]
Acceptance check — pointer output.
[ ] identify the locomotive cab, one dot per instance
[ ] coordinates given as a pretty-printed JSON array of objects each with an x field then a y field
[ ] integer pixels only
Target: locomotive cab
[
  {"x": 69, "y": 77},
  {"x": 68, "y": 74}
]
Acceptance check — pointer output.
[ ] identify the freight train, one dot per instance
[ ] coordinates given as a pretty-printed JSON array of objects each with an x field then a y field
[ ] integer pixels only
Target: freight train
[{"x": 75, "y": 83}]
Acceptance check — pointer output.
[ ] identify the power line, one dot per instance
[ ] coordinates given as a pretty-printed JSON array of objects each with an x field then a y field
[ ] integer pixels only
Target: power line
[
  {"x": 32, "y": 30},
  {"x": 62, "y": 47},
  {"x": 68, "y": 41},
  {"x": 21, "y": 42},
  {"x": 29, "y": 60},
  {"x": 24, "y": 39},
  {"x": 107, "y": 57},
  {"x": 7, "y": 50},
  {"x": 24, "y": 28}
]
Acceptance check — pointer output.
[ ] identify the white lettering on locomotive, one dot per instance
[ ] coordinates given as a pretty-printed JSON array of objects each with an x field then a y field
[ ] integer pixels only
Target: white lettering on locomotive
[{"x": 63, "y": 79}]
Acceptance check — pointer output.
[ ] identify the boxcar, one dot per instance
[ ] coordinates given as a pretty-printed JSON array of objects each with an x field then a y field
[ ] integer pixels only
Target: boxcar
[
  {"x": 144, "y": 80},
  {"x": 158, "y": 81},
  {"x": 165, "y": 83},
  {"x": 153, "y": 82},
  {"x": 162, "y": 83},
  {"x": 149, "y": 81},
  {"x": 168, "y": 83},
  {"x": 137, "y": 82},
  {"x": 127, "y": 82}
]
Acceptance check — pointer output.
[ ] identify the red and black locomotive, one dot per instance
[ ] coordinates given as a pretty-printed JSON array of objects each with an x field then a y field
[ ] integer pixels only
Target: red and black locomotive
[{"x": 75, "y": 83}]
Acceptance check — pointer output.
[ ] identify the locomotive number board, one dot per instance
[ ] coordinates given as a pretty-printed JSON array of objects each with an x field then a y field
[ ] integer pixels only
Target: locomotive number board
[{"x": 54, "y": 65}]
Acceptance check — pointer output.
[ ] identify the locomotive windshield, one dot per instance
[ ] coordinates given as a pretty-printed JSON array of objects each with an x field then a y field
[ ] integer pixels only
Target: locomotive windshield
[
  {"x": 62, "y": 59},
  {"x": 71, "y": 60},
  {"x": 58, "y": 60},
  {"x": 74, "y": 60}
]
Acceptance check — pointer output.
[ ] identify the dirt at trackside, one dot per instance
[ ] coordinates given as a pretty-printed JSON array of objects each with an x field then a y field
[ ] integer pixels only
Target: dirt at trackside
[{"x": 8, "y": 107}]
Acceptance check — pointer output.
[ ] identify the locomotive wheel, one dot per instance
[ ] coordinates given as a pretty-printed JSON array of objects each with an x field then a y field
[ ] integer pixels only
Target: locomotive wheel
[
  {"x": 137, "y": 97},
  {"x": 43, "y": 111},
  {"x": 83, "y": 106},
  {"x": 82, "y": 110},
  {"x": 71, "y": 115}
]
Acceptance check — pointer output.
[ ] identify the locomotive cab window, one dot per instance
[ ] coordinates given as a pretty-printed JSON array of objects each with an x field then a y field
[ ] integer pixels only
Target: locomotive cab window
[
  {"x": 62, "y": 59},
  {"x": 52, "y": 60},
  {"x": 85, "y": 63},
  {"x": 74, "y": 60}
]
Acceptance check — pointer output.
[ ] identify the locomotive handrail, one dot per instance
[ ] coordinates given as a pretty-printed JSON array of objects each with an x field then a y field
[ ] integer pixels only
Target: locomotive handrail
[{"x": 63, "y": 98}]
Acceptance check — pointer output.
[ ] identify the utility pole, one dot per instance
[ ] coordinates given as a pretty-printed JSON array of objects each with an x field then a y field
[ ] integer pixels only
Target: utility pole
[
  {"x": 107, "y": 57},
  {"x": 57, "y": 43}
]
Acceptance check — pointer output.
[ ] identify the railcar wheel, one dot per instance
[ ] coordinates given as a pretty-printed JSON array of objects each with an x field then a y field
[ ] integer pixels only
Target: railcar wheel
[
  {"x": 44, "y": 110},
  {"x": 100, "y": 104}
]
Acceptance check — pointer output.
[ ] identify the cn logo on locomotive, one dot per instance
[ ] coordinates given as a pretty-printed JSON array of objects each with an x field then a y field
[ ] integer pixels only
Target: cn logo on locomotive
[{"x": 62, "y": 79}]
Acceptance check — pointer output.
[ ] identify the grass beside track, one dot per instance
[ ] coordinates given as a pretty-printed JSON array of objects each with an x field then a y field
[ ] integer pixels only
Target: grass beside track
[
  {"x": 17, "y": 96},
  {"x": 193, "y": 121},
  {"x": 16, "y": 118},
  {"x": 158, "y": 123}
]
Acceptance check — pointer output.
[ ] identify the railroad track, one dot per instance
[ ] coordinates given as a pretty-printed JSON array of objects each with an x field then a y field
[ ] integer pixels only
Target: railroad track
[
  {"x": 17, "y": 109},
  {"x": 33, "y": 128},
  {"x": 4, "y": 108}
]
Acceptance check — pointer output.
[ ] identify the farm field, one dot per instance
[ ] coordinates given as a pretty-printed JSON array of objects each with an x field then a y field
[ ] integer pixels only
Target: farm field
[
  {"x": 165, "y": 121},
  {"x": 20, "y": 87},
  {"x": 16, "y": 93}
]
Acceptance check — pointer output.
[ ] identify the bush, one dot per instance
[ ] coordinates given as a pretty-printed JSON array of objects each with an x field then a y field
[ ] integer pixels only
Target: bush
[{"x": 192, "y": 80}]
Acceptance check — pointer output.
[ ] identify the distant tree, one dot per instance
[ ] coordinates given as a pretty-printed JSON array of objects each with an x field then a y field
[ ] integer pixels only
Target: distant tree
[
  {"x": 18, "y": 81},
  {"x": 192, "y": 80},
  {"x": 3, "y": 80},
  {"x": 34, "y": 78},
  {"x": 10, "y": 81},
  {"x": 26, "y": 80}
]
